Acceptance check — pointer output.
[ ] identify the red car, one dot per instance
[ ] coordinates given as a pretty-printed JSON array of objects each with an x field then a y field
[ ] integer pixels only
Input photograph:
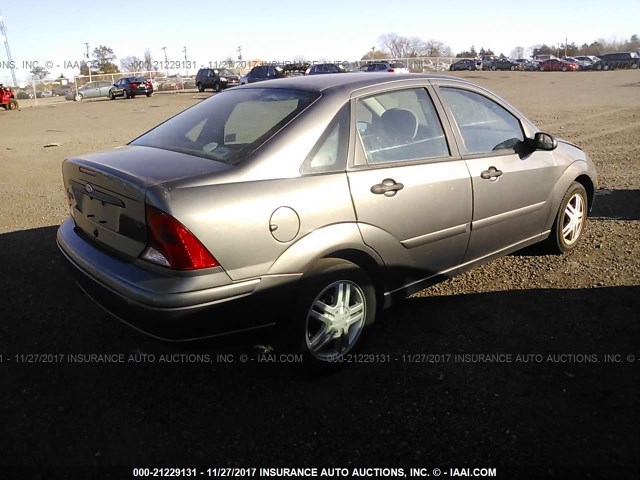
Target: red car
[{"x": 556, "y": 65}]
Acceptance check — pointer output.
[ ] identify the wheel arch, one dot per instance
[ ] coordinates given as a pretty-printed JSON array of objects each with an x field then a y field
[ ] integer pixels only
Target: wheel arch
[
  {"x": 342, "y": 241},
  {"x": 589, "y": 186},
  {"x": 577, "y": 172},
  {"x": 367, "y": 263}
]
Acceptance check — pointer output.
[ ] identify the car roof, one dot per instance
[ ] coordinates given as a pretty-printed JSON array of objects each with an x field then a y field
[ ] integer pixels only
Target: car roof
[{"x": 351, "y": 81}]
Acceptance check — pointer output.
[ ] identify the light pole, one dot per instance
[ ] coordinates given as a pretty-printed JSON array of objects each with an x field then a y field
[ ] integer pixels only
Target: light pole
[
  {"x": 373, "y": 52},
  {"x": 166, "y": 60},
  {"x": 186, "y": 62},
  {"x": 86, "y": 55}
]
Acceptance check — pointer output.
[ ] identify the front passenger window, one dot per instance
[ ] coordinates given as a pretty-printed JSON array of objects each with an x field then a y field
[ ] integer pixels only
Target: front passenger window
[{"x": 484, "y": 125}]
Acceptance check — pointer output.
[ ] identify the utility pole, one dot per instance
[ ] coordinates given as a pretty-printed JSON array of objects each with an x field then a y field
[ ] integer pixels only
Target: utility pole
[
  {"x": 239, "y": 52},
  {"x": 565, "y": 47},
  {"x": 186, "y": 62},
  {"x": 166, "y": 60},
  {"x": 3, "y": 37},
  {"x": 86, "y": 55},
  {"x": 373, "y": 52}
]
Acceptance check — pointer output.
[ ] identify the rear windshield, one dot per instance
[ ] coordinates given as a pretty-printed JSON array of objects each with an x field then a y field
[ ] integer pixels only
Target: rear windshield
[
  {"x": 229, "y": 126},
  {"x": 138, "y": 80},
  {"x": 397, "y": 65}
]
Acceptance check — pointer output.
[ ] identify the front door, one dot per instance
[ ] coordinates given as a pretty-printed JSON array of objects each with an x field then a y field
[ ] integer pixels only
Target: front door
[{"x": 511, "y": 184}]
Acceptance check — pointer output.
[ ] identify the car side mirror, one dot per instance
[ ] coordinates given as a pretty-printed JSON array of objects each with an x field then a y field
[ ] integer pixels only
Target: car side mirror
[{"x": 544, "y": 141}]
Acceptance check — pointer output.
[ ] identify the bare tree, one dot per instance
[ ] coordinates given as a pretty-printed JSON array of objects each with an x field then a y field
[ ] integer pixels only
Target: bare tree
[
  {"x": 403, "y": 47},
  {"x": 436, "y": 48},
  {"x": 517, "y": 52},
  {"x": 131, "y": 64}
]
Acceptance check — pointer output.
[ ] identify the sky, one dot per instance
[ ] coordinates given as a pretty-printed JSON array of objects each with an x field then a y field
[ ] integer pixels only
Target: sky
[{"x": 334, "y": 30}]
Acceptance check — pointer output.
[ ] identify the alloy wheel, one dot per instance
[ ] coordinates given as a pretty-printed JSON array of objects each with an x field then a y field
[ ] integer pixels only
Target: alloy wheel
[{"x": 335, "y": 320}]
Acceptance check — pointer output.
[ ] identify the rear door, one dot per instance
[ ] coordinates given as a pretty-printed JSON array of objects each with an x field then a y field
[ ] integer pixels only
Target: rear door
[
  {"x": 512, "y": 185},
  {"x": 410, "y": 189}
]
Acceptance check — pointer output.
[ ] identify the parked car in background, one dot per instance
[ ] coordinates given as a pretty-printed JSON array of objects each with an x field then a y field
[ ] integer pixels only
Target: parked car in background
[
  {"x": 61, "y": 90},
  {"x": 464, "y": 64},
  {"x": 503, "y": 64},
  {"x": 526, "y": 64},
  {"x": 170, "y": 83},
  {"x": 581, "y": 64},
  {"x": 612, "y": 61},
  {"x": 216, "y": 78},
  {"x": 543, "y": 58},
  {"x": 588, "y": 60},
  {"x": 557, "y": 65},
  {"x": 24, "y": 95},
  {"x": 129, "y": 87},
  {"x": 98, "y": 89},
  {"x": 260, "y": 73},
  {"x": 324, "y": 68},
  {"x": 391, "y": 67},
  {"x": 306, "y": 197}
]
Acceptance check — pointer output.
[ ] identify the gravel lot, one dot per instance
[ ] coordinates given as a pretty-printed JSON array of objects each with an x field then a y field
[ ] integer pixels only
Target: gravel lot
[{"x": 562, "y": 395}]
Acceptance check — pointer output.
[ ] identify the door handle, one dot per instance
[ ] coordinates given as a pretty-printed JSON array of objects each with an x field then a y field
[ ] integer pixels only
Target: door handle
[
  {"x": 492, "y": 173},
  {"x": 388, "y": 187}
]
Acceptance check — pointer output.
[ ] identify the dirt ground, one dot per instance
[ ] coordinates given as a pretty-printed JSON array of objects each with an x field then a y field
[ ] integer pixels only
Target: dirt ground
[{"x": 537, "y": 419}]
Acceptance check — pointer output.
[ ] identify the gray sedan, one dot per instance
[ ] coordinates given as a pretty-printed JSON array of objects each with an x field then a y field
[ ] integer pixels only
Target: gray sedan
[
  {"x": 98, "y": 89},
  {"x": 312, "y": 202}
]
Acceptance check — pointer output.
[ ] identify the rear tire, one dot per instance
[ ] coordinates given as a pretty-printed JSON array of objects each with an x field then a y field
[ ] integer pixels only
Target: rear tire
[
  {"x": 216, "y": 87},
  {"x": 337, "y": 301},
  {"x": 541, "y": 69},
  {"x": 12, "y": 105},
  {"x": 569, "y": 223}
]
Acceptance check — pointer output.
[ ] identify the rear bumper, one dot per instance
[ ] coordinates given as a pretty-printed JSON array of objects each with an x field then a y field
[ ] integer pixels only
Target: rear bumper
[{"x": 168, "y": 307}]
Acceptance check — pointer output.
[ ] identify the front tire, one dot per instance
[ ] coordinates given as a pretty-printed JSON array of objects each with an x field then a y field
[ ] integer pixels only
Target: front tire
[
  {"x": 125, "y": 94},
  {"x": 111, "y": 95},
  {"x": 337, "y": 302},
  {"x": 12, "y": 105},
  {"x": 78, "y": 97},
  {"x": 216, "y": 87},
  {"x": 569, "y": 223},
  {"x": 200, "y": 87}
]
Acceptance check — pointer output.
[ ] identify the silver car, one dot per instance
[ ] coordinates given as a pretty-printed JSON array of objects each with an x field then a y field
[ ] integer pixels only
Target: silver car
[
  {"x": 98, "y": 89},
  {"x": 312, "y": 202}
]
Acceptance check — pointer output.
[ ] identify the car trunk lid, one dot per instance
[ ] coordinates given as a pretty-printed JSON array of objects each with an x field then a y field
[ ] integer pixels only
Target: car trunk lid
[{"x": 107, "y": 191}]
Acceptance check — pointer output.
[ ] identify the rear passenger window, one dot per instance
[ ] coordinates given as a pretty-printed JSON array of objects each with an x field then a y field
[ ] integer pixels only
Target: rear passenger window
[
  {"x": 402, "y": 125},
  {"x": 484, "y": 125}
]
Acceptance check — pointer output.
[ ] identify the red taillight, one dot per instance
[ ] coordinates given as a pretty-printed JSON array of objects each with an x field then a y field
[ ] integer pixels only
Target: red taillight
[
  {"x": 134, "y": 85},
  {"x": 391, "y": 70},
  {"x": 172, "y": 245}
]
